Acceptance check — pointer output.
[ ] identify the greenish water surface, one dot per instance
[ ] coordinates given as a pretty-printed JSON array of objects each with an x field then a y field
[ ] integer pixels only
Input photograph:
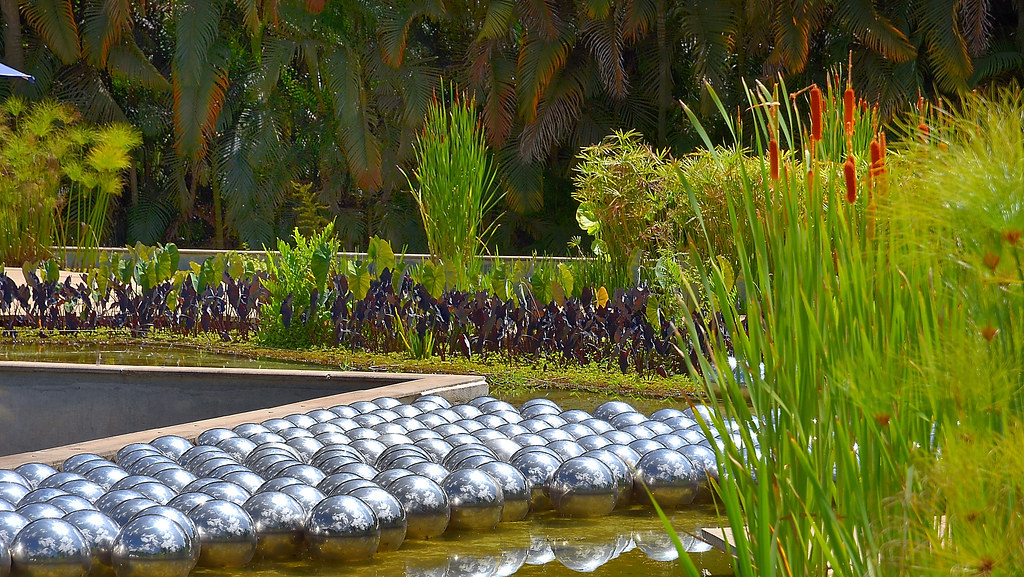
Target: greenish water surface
[{"x": 628, "y": 543}]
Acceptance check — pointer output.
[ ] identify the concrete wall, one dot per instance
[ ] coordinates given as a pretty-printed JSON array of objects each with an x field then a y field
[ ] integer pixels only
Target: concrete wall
[{"x": 52, "y": 404}]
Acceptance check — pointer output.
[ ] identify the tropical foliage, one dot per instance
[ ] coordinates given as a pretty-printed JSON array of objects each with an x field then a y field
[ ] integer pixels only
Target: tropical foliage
[
  {"x": 58, "y": 178},
  {"x": 240, "y": 101}
]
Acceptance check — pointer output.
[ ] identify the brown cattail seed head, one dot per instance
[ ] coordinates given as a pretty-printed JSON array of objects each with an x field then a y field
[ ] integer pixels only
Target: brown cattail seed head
[
  {"x": 773, "y": 158},
  {"x": 849, "y": 105},
  {"x": 815, "y": 113},
  {"x": 1012, "y": 236},
  {"x": 989, "y": 332},
  {"x": 923, "y": 132},
  {"x": 850, "y": 173},
  {"x": 990, "y": 260}
]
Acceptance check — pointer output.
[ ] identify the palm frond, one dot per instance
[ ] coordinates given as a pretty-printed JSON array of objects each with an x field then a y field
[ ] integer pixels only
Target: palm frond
[
  {"x": 198, "y": 101},
  {"x": 522, "y": 181},
  {"x": 197, "y": 26},
  {"x": 947, "y": 53},
  {"x": 792, "y": 31},
  {"x": 710, "y": 27},
  {"x": 81, "y": 86},
  {"x": 350, "y": 106},
  {"x": 541, "y": 18},
  {"x": 976, "y": 25},
  {"x": 604, "y": 39},
  {"x": 498, "y": 19},
  {"x": 539, "y": 60},
  {"x": 104, "y": 25},
  {"x": 54, "y": 21},
  {"x": 556, "y": 116},
  {"x": 250, "y": 10},
  {"x": 879, "y": 34},
  {"x": 393, "y": 29},
  {"x": 1000, "y": 60},
  {"x": 126, "y": 60},
  {"x": 149, "y": 217}
]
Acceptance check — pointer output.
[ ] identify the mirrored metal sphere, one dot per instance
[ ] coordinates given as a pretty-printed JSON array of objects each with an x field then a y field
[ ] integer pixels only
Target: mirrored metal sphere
[
  {"x": 515, "y": 490},
  {"x": 608, "y": 410},
  {"x": 226, "y": 491},
  {"x": 280, "y": 524},
  {"x": 390, "y": 514},
  {"x": 342, "y": 528},
  {"x": 306, "y": 496},
  {"x": 153, "y": 546},
  {"x": 50, "y": 548},
  {"x": 35, "y": 473},
  {"x": 538, "y": 467},
  {"x": 171, "y": 445},
  {"x": 583, "y": 487},
  {"x": 13, "y": 492},
  {"x": 185, "y": 502},
  {"x": 670, "y": 478},
  {"x": 5, "y": 559},
  {"x": 40, "y": 495},
  {"x": 475, "y": 499},
  {"x": 106, "y": 476},
  {"x": 426, "y": 506},
  {"x": 70, "y": 503},
  {"x": 57, "y": 479},
  {"x": 124, "y": 512},
  {"x": 112, "y": 499},
  {"x": 214, "y": 436},
  {"x": 10, "y": 524},
  {"x": 35, "y": 511},
  {"x": 72, "y": 462},
  {"x": 247, "y": 480},
  {"x": 10, "y": 476},
  {"x": 99, "y": 531},
  {"x": 227, "y": 535},
  {"x": 430, "y": 470},
  {"x": 705, "y": 466},
  {"x": 85, "y": 489},
  {"x": 238, "y": 448},
  {"x": 620, "y": 470}
]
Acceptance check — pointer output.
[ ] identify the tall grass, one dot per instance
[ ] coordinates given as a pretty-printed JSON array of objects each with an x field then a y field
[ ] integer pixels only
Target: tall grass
[
  {"x": 454, "y": 187},
  {"x": 891, "y": 351}
]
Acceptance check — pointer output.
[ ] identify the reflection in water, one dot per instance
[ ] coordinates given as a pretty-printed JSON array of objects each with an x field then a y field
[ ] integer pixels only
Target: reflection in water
[{"x": 628, "y": 544}]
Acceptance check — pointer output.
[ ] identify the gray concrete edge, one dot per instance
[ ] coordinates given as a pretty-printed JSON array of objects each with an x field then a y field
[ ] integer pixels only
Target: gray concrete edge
[{"x": 405, "y": 387}]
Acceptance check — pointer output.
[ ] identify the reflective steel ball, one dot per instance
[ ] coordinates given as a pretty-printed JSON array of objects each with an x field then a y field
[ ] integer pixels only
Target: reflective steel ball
[
  {"x": 583, "y": 487},
  {"x": 538, "y": 467},
  {"x": 475, "y": 499},
  {"x": 280, "y": 524},
  {"x": 153, "y": 546},
  {"x": 670, "y": 478},
  {"x": 515, "y": 489},
  {"x": 226, "y": 533},
  {"x": 426, "y": 506},
  {"x": 390, "y": 514},
  {"x": 342, "y": 528},
  {"x": 10, "y": 524},
  {"x": 35, "y": 473},
  {"x": 50, "y": 548}
]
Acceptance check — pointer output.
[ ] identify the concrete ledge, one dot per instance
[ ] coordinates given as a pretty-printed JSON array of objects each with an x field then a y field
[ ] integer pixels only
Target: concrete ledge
[{"x": 100, "y": 408}]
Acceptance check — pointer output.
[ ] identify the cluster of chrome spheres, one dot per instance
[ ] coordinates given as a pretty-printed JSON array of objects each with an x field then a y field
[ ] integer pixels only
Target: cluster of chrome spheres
[{"x": 342, "y": 483}]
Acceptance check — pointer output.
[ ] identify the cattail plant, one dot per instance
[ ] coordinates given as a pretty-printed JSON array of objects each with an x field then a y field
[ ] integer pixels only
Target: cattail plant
[{"x": 850, "y": 177}]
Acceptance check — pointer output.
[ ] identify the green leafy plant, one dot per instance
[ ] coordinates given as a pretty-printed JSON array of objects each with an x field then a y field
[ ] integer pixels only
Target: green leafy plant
[
  {"x": 58, "y": 178},
  {"x": 623, "y": 186},
  {"x": 454, "y": 187},
  {"x": 296, "y": 315}
]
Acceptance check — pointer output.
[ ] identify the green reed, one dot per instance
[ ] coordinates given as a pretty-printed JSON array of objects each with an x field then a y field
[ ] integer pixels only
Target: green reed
[
  {"x": 455, "y": 188},
  {"x": 872, "y": 361}
]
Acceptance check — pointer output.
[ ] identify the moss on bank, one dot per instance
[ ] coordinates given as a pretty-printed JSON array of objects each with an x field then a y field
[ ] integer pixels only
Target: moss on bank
[{"x": 504, "y": 376}]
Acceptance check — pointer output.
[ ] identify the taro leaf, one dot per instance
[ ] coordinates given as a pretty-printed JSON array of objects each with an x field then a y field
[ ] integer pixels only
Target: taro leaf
[
  {"x": 172, "y": 299},
  {"x": 520, "y": 291},
  {"x": 586, "y": 217},
  {"x": 125, "y": 270},
  {"x": 320, "y": 264},
  {"x": 28, "y": 269},
  {"x": 652, "y": 311},
  {"x": 557, "y": 293},
  {"x": 565, "y": 279},
  {"x": 586, "y": 296},
  {"x": 464, "y": 347},
  {"x": 381, "y": 253},
  {"x": 216, "y": 271},
  {"x": 52, "y": 270},
  {"x": 602, "y": 297},
  {"x": 172, "y": 251},
  {"x": 359, "y": 283},
  {"x": 451, "y": 274},
  {"x": 432, "y": 278},
  {"x": 163, "y": 266}
]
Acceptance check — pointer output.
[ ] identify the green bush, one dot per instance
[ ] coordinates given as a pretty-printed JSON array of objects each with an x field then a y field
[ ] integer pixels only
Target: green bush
[{"x": 296, "y": 315}]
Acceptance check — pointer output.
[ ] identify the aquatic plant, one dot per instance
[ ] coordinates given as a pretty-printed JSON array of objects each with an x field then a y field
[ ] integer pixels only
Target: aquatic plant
[{"x": 880, "y": 345}]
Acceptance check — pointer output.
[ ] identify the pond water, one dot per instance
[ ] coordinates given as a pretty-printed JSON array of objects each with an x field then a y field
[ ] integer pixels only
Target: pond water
[
  {"x": 628, "y": 543},
  {"x": 148, "y": 355}
]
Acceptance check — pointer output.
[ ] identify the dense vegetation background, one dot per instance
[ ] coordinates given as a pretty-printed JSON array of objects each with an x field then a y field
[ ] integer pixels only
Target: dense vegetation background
[{"x": 261, "y": 115}]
